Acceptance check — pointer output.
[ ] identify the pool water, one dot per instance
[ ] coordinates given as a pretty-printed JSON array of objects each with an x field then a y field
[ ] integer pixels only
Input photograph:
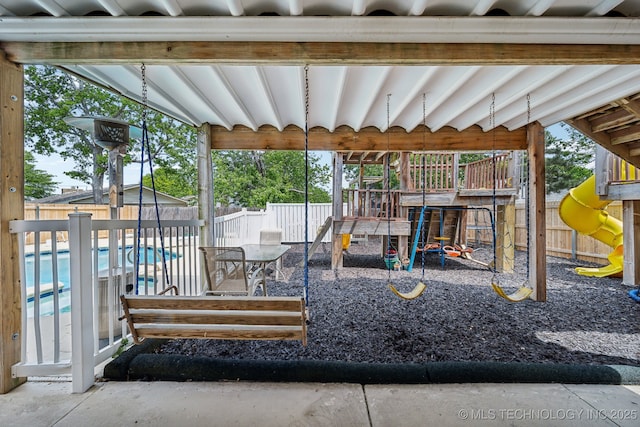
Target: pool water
[{"x": 46, "y": 275}]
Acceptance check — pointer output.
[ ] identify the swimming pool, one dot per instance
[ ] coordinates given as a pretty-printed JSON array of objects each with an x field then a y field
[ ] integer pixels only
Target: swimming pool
[{"x": 153, "y": 255}]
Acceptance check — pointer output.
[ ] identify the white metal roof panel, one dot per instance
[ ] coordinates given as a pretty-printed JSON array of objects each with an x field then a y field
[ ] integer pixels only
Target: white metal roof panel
[{"x": 356, "y": 96}]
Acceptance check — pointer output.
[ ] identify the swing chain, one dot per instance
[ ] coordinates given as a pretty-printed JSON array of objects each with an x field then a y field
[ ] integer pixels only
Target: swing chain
[
  {"x": 143, "y": 73},
  {"x": 527, "y": 188},
  {"x": 492, "y": 125},
  {"x": 388, "y": 183},
  {"x": 423, "y": 238},
  {"x": 306, "y": 183}
]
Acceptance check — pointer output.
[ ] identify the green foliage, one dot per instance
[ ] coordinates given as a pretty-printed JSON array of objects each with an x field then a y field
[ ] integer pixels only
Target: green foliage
[
  {"x": 245, "y": 178},
  {"x": 37, "y": 183},
  {"x": 51, "y": 95},
  {"x": 124, "y": 343},
  {"x": 254, "y": 178},
  {"x": 567, "y": 160},
  {"x": 171, "y": 181},
  {"x": 351, "y": 173}
]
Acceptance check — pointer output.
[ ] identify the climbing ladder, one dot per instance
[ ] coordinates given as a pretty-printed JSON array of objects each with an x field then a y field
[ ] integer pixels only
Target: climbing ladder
[{"x": 440, "y": 226}]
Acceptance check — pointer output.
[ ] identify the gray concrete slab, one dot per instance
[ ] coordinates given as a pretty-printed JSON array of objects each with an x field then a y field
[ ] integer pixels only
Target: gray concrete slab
[
  {"x": 51, "y": 403},
  {"x": 38, "y": 403},
  {"x": 621, "y": 404},
  {"x": 498, "y": 405},
  {"x": 221, "y": 404}
]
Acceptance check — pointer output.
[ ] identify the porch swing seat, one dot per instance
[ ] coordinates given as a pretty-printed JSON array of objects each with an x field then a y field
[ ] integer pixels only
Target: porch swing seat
[
  {"x": 415, "y": 293},
  {"x": 520, "y": 295}
]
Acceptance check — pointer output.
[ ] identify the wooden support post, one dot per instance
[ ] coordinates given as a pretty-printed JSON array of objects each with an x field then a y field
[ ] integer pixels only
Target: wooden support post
[
  {"x": 405, "y": 184},
  {"x": 462, "y": 230},
  {"x": 505, "y": 236},
  {"x": 11, "y": 208},
  {"x": 205, "y": 186},
  {"x": 631, "y": 230},
  {"x": 537, "y": 209},
  {"x": 336, "y": 239}
]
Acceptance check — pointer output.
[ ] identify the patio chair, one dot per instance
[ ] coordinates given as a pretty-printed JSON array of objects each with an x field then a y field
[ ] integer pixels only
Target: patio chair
[
  {"x": 273, "y": 237},
  {"x": 227, "y": 272}
]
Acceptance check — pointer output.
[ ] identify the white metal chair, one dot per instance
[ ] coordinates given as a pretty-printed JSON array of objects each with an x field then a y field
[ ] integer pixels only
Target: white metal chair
[
  {"x": 273, "y": 237},
  {"x": 226, "y": 272}
]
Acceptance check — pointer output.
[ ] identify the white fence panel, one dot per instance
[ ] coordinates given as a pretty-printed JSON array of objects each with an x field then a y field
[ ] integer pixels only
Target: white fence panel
[
  {"x": 49, "y": 304},
  {"x": 290, "y": 218},
  {"x": 239, "y": 228}
]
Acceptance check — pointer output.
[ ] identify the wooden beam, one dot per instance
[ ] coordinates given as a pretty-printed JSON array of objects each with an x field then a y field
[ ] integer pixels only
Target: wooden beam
[
  {"x": 11, "y": 208},
  {"x": 630, "y": 105},
  {"x": 611, "y": 120},
  {"x": 628, "y": 134},
  {"x": 318, "y": 53},
  {"x": 368, "y": 139},
  {"x": 537, "y": 209},
  {"x": 602, "y": 138},
  {"x": 372, "y": 227},
  {"x": 623, "y": 191}
]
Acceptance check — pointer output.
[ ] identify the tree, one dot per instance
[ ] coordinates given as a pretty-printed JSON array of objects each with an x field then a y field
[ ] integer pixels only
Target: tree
[
  {"x": 37, "y": 183},
  {"x": 51, "y": 95},
  {"x": 567, "y": 160},
  {"x": 247, "y": 178},
  {"x": 253, "y": 178}
]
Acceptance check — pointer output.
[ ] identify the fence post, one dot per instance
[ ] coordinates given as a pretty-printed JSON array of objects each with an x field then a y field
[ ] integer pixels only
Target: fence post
[{"x": 82, "y": 358}]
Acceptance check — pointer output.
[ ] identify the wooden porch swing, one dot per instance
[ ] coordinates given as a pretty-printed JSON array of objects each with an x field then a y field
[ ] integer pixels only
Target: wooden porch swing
[{"x": 216, "y": 317}]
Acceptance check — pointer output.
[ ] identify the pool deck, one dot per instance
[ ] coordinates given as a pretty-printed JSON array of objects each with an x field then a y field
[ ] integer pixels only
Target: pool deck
[{"x": 51, "y": 403}]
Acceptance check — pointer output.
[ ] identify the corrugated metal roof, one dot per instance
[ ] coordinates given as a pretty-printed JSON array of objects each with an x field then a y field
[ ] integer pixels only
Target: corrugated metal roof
[
  {"x": 353, "y": 95},
  {"x": 319, "y": 7}
]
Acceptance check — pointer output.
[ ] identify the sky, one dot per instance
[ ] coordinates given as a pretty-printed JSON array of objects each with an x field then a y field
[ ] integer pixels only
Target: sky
[{"x": 56, "y": 166}]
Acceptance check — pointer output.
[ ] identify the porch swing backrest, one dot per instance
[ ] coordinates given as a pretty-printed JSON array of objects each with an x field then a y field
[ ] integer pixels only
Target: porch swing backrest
[{"x": 207, "y": 317}]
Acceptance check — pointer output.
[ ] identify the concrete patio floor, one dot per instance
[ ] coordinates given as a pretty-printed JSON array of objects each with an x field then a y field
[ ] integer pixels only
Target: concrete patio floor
[{"x": 51, "y": 403}]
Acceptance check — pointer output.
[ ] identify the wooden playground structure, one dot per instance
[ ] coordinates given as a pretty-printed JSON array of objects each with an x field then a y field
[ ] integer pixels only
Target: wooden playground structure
[{"x": 451, "y": 191}]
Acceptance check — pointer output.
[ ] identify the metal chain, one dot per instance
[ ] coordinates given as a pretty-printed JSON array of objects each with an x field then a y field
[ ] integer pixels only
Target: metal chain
[
  {"x": 306, "y": 97},
  {"x": 424, "y": 177},
  {"x": 527, "y": 187},
  {"x": 388, "y": 189},
  {"x": 143, "y": 72},
  {"x": 306, "y": 184},
  {"x": 492, "y": 125}
]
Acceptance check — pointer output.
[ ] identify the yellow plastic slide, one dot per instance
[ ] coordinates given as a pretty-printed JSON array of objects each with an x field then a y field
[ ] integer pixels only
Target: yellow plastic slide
[{"x": 584, "y": 211}]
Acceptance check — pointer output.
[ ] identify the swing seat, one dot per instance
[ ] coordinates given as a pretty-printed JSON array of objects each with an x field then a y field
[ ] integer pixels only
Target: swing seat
[
  {"x": 520, "y": 295},
  {"x": 415, "y": 293}
]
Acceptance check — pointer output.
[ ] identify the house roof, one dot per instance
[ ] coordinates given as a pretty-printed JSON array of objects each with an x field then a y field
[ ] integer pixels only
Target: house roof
[
  {"x": 370, "y": 62},
  {"x": 131, "y": 197}
]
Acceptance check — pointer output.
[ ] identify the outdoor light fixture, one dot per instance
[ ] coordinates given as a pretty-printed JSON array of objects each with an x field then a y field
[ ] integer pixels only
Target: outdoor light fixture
[{"x": 112, "y": 135}]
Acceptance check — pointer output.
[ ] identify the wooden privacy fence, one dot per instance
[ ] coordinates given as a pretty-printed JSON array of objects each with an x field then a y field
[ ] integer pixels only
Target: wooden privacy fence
[
  {"x": 562, "y": 241},
  {"x": 62, "y": 211}
]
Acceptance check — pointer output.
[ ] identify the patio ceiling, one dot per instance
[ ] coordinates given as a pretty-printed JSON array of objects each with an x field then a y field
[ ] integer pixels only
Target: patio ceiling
[{"x": 241, "y": 63}]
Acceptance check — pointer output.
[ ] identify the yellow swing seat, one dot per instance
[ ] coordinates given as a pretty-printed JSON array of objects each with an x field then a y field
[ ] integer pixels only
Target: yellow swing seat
[
  {"x": 415, "y": 293},
  {"x": 520, "y": 295}
]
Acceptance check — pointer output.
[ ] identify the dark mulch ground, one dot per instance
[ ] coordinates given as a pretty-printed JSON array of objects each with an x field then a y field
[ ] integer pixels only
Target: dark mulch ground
[{"x": 354, "y": 316}]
